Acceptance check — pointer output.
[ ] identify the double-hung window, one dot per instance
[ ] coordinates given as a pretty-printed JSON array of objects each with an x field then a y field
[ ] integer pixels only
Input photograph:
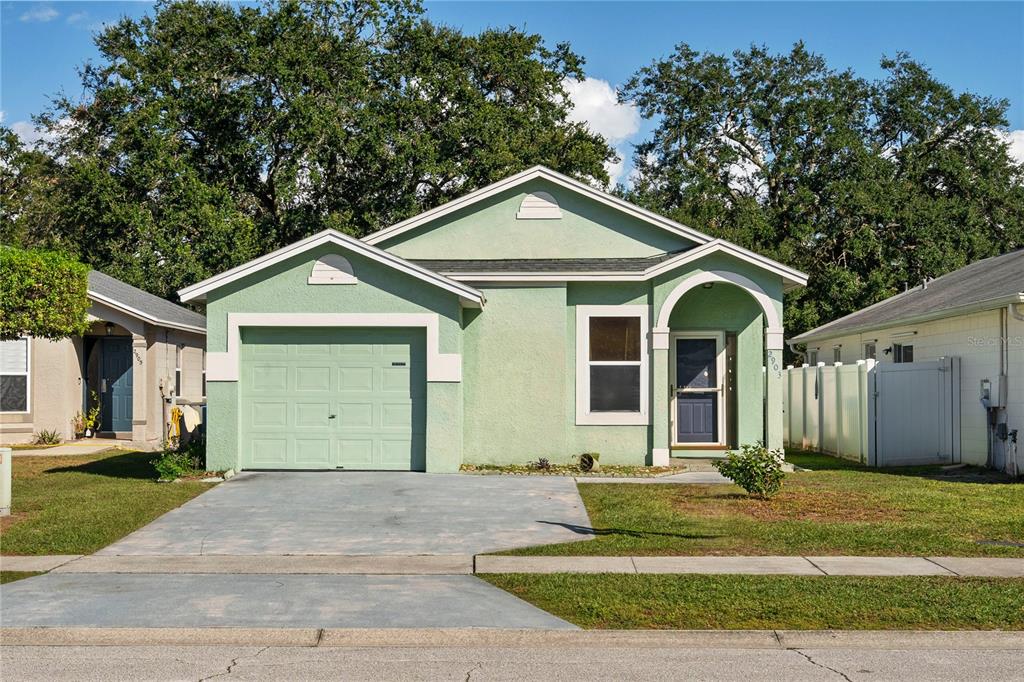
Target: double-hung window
[
  {"x": 14, "y": 375},
  {"x": 611, "y": 364},
  {"x": 177, "y": 370},
  {"x": 902, "y": 352}
]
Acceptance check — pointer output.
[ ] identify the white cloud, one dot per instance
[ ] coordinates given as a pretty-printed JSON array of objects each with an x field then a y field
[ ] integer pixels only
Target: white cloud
[
  {"x": 595, "y": 103},
  {"x": 77, "y": 17},
  {"x": 614, "y": 170},
  {"x": 40, "y": 13},
  {"x": 1014, "y": 138},
  {"x": 31, "y": 136}
]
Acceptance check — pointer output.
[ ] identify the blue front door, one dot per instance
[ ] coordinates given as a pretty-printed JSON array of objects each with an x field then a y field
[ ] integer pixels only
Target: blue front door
[
  {"x": 116, "y": 384},
  {"x": 697, "y": 390}
]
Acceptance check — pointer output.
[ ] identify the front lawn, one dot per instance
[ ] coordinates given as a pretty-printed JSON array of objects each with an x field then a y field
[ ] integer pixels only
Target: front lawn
[
  {"x": 838, "y": 508},
  {"x": 80, "y": 503},
  {"x": 737, "y": 602}
]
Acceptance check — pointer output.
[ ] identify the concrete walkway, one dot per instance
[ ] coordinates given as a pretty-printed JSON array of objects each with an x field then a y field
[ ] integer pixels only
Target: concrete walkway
[{"x": 464, "y": 564}]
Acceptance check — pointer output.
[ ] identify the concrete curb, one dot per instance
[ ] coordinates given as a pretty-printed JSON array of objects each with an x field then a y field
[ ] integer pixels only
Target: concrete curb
[
  {"x": 505, "y": 638},
  {"x": 285, "y": 564}
]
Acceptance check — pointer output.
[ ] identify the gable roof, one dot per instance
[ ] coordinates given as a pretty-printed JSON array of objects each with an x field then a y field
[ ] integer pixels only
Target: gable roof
[
  {"x": 467, "y": 294},
  {"x": 527, "y": 175},
  {"x": 604, "y": 269},
  {"x": 982, "y": 285},
  {"x": 142, "y": 304}
]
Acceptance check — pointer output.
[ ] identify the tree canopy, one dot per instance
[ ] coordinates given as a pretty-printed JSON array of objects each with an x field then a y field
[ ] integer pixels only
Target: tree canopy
[
  {"x": 209, "y": 133},
  {"x": 44, "y": 294},
  {"x": 867, "y": 186}
]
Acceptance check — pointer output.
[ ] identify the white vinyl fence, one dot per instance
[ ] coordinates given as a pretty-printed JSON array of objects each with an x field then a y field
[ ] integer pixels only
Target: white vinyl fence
[{"x": 890, "y": 414}]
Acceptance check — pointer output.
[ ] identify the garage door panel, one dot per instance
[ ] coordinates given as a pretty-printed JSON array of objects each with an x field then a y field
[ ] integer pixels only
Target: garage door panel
[
  {"x": 269, "y": 451},
  {"x": 268, "y": 414},
  {"x": 313, "y": 451},
  {"x": 355, "y": 453},
  {"x": 269, "y": 379},
  {"x": 372, "y": 380},
  {"x": 313, "y": 379},
  {"x": 355, "y": 379},
  {"x": 314, "y": 415}
]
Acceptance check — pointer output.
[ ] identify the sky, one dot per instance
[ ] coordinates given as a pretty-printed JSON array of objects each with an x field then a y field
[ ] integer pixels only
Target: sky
[{"x": 972, "y": 46}]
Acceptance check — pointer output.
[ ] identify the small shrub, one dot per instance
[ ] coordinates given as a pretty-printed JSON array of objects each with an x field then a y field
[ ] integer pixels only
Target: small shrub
[
  {"x": 47, "y": 437},
  {"x": 542, "y": 464},
  {"x": 175, "y": 462},
  {"x": 756, "y": 469}
]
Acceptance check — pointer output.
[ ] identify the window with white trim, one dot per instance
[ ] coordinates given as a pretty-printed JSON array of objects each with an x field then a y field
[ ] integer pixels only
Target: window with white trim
[
  {"x": 611, "y": 364},
  {"x": 812, "y": 356},
  {"x": 177, "y": 370},
  {"x": 869, "y": 351},
  {"x": 837, "y": 354},
  {"x": 14, "y": 375}
]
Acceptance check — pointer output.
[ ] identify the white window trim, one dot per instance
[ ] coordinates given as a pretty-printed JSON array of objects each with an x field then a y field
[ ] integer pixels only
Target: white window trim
[
  {"x": 720, "y": 369},
  {"x": 583, "y": 414},
  {"x": 28, "y": 378},
  {"x": 179, "y": 379}
]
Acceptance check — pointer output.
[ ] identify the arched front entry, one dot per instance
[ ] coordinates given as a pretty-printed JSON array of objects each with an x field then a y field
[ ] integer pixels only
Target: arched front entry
[{"x": 714, "y": 333}]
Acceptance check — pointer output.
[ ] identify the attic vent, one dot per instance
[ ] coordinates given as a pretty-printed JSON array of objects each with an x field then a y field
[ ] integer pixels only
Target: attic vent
[
  {"x": 332, "y": 268},
  {"x": 539, "y": 206}
]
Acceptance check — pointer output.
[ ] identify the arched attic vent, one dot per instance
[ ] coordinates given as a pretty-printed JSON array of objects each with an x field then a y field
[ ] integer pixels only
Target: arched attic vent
[
  {"x": 332, "y": 268},
  {"x": 539, "y": 206}
]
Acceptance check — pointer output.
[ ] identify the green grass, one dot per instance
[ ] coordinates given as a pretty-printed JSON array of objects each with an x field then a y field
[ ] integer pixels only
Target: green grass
[
  {"x": 11, "y": 576},
  {"x": 78, "y": 504},
  {"x": 732, "y": 602},
  {"x": 838, "y": 508}
]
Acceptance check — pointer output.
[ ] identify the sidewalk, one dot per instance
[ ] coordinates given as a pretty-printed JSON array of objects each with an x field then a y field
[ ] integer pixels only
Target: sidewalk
[{"x": 481, "y": 564}]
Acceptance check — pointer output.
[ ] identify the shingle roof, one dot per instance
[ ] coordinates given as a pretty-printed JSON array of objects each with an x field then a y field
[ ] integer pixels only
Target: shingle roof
[
  {"x": 996, "y": 281},
  {"x": 146, "y": 305},
  {"x": 544, "y": 265}
]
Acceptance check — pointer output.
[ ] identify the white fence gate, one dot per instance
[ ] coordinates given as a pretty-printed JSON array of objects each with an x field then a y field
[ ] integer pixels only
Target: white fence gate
[{"x": 891, "y": 414}]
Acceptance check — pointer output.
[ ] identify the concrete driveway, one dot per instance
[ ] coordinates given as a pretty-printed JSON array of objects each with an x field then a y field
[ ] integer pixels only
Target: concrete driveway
[{"x": 370, "y": 513}]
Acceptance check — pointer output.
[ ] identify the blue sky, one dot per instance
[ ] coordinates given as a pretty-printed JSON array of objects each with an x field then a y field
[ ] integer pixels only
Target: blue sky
[{"x": 975, "y": 46}]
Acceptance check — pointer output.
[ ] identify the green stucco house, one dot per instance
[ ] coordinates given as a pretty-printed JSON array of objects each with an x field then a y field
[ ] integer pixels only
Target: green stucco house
[{"x": 536, "y": 317}]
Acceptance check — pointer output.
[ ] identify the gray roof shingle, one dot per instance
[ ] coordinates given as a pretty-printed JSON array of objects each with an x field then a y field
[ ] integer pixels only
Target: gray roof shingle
[
  {"x": 544, "y": 265},
  {"x": 160, "y": 310},
  {"x": 994, "y": 280}
]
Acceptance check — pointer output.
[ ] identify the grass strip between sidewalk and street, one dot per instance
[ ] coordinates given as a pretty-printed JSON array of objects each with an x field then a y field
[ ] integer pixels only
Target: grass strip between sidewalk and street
[
  {"x": 837, "y": 508},
  {"x": 81, "y": 503},
  {"x": 734, "y": 602}
]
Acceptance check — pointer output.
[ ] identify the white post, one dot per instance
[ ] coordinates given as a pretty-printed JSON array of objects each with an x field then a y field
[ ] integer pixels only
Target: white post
[{"x": 5, "y": 481}]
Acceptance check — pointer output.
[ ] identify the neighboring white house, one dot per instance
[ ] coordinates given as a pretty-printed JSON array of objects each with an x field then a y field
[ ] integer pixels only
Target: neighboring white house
[{"x": 975, "y": 313}]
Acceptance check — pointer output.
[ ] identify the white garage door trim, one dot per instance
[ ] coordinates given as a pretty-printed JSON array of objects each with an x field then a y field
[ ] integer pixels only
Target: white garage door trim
[{"x": 441, "y": 367}]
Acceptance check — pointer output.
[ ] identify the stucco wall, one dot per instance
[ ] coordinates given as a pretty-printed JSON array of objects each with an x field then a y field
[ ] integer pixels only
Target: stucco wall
[
  {"x": 283, "y": 288},
  {"x": 975, "y": 340},
  {"x": 489, "y": 229},
  {"x": 515, "y": 378},
  {"x": 55, "y": 393}
]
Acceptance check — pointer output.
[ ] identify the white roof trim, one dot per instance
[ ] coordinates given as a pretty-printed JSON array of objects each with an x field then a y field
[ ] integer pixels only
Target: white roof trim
[
  {"x": 526, "y": 176},
  {"x": 198, "y": 291},
  {"x": 134, "y": 312},
  {"x": 790, "y": 277}
]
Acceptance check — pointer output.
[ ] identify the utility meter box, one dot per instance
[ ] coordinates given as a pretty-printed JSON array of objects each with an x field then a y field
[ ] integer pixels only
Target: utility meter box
[{"x": 993, "y": 392}]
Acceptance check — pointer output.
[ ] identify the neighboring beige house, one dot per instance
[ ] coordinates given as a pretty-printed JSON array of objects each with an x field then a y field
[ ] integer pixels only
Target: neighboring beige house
[
  {"x": 140, "y": 351},
  {"x": 975, "y": 313}
]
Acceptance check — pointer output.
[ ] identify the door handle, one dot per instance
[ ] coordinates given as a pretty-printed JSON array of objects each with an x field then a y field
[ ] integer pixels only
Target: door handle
[
  {"x": 103, "y": 385},
  {"x": 332, "y": 416}
]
